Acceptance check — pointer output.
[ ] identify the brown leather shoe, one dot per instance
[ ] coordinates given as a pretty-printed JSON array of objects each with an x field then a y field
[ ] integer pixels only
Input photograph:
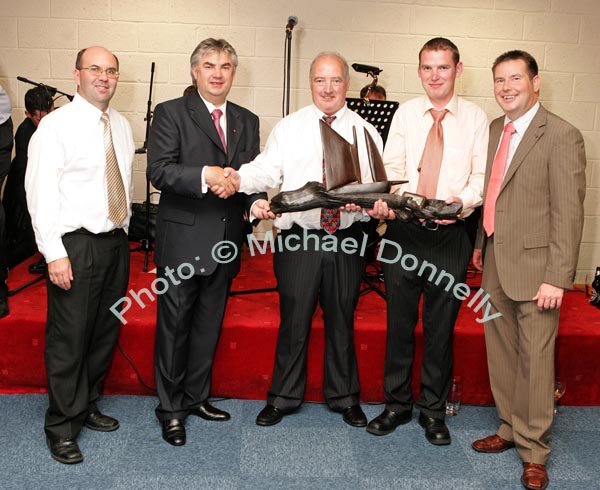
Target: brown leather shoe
[
  {"x": 492, "y": 444},
  {"x": 534, "y": 476}
]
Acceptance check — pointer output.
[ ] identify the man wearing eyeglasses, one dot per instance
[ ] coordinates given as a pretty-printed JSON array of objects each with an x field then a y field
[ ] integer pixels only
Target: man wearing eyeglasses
[{"x": 79, "y": 188}]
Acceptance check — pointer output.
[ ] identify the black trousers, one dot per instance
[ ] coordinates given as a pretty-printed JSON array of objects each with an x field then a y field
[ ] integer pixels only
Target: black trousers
[
  {"x": 189, "y": 319},
  {"x": 81, "y": 331},
  {"x": 447, "y": 249},
  {"x": 304, "y": 277}
]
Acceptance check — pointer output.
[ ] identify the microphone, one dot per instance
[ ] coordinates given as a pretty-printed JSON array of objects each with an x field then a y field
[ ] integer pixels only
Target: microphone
[
  {"x": 51, "y": 90},
  {"x": 366, "y": 69},
  {"x": 292, "y": 21}
]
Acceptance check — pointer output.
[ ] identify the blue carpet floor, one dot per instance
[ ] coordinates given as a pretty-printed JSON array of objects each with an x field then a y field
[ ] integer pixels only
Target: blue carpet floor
[{"x": 311, "y": 449}]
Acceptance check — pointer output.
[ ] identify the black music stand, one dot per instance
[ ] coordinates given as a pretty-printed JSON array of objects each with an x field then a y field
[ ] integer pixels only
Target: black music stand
[{"x": 378, "y": 112}]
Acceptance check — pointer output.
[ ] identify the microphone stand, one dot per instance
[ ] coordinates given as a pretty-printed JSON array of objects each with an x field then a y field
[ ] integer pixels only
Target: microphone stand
[
  {"x": 51, "y": 90},
  {"x": 145, "y": 242},
  {"x": 288, "y": 61}
]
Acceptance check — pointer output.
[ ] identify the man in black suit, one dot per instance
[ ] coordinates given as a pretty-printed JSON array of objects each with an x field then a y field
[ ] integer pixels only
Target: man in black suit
[{"x": 192, "y": 139}]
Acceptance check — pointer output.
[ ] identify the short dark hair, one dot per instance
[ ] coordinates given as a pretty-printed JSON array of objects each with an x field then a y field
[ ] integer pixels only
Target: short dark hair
[
  {"x": 82, "y": 52},
  {"x": 38, "y": 99},
  {"x": 517, "y": 54},
  {"x": 441, "y": 43},
  {"x": 377, "y": 89}
]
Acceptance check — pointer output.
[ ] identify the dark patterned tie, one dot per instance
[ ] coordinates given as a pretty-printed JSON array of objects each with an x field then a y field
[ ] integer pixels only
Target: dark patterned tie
[
  {"x": 330, "y": 218},
  {"x": 216, "y": 115},
  {"x": 115, "y": 190}
]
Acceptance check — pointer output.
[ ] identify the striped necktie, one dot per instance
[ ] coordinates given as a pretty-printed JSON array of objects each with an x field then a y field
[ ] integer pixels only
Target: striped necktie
[{"x": 115, "y": 190}]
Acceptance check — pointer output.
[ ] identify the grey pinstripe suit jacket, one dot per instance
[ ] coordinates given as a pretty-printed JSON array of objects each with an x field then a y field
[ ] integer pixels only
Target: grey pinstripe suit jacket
[{"x": 539, "y": 211}]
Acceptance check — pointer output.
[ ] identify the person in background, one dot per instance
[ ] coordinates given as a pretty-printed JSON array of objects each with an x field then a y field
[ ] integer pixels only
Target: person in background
[
  {"x": 375, "y": 93},
  {"x": 6, "y": 145},
  {"x": 79, "y": 188},
  {"x": 20, "y": 236},
  {"x": 528, "y": 246}
]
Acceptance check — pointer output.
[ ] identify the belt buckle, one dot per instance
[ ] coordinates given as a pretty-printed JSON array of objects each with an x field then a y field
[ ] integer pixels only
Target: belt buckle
[{"x": 430, "y": 225}]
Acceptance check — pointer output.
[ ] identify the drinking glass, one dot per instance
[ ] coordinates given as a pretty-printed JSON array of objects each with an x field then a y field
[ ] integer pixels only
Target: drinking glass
[
  {"x": 454, "y": 397},
  {"x": 560, "y": 386}
]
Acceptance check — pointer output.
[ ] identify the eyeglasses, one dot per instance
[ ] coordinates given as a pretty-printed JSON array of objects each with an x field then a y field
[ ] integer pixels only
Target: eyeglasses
[{"x": 97, "y": 71}]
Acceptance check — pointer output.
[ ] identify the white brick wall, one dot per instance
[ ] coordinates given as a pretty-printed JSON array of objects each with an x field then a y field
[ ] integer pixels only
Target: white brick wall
[{"x": 40, "y": 38}]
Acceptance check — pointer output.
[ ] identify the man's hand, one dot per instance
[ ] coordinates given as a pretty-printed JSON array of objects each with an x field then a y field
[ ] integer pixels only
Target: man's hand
[
  {"x": 450, "y": 200},
  {"x": 60, "y": 273},
  {"x": 262, "y": 210},
  {"x": 381, "y": 211},
  {"x": 477, "y": 259},
  {"x": 220, "y": 182},
  {"x": 549, "y": 297}
]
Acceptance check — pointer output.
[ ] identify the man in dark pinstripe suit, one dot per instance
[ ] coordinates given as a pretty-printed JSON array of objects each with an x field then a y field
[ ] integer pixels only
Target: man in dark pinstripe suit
[{"x": 532, "y": 225}]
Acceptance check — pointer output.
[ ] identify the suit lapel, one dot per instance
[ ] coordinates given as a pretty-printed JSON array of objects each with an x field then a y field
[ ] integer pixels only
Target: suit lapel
[
  {"x": 235, "y": 127},
  {"x": 532, "y": 135},
  {"x": 495, "y": 133},
  {"x": 201, "y": 117}
]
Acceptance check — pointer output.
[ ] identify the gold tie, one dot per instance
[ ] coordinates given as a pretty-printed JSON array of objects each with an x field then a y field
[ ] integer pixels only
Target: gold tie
[
  {"x": 431, "y": 160},
  {"x": 115, "y": 191}
]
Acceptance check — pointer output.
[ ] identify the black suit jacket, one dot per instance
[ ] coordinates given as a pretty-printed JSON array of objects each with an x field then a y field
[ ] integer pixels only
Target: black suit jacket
[{"x": 183, "y": 139}]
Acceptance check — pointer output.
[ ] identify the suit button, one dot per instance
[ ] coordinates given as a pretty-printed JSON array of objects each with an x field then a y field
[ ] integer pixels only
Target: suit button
[{"x": 223, "y": 219}]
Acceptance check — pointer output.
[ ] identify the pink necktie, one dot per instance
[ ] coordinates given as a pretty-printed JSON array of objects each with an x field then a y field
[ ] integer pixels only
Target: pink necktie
[
  {"x": 330, "y": 218},
  {"x": 431, "y": 160},
  {"x": 496, "y": 178},
  {"x": 216, "y": 115}
]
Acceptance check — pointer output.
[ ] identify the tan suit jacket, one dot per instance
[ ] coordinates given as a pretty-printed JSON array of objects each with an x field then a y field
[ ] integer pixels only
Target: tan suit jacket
[
  {"x": 539, "y": 211},
  {"x": 537, "y": 230}
]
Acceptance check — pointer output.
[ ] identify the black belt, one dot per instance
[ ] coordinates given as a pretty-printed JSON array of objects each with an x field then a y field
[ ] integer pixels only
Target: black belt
[
  {"x": 432, "y": 226},
  {"x": 83, "y": 231}
]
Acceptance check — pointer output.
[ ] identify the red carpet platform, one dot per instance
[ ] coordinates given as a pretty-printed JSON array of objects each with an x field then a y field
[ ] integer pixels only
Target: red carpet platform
[{"x": 245, "y": 355}]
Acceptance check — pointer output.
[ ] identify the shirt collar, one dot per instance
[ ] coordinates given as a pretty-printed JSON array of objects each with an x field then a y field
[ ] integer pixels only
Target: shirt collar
[
  {"x": 211, "y": 107},
  {"x": 522, "y": 123},
  {"x": 87, "y": 108},
  {"x": 451, "y": 106},
  {"x": 319, "y": 113}
]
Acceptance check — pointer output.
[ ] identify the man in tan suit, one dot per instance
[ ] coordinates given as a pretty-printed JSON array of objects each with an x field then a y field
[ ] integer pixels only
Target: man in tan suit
[{"x": 532, "y": 223}]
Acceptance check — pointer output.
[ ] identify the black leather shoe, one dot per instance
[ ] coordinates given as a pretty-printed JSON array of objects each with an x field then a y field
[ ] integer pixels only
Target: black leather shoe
[
  {"x": 173, "y": 431},
  {"x": 207, "y": 412},
  {"x": 100, "y": 422},
  {"x": 387, "y": 421},
  {"x": 3, "y": 307},
  {"x": 354, "y": 416},
  {"x": 271, "y": 415},
  {"x": 65, "y": 450},
  {"x": 436, "y": 430}
]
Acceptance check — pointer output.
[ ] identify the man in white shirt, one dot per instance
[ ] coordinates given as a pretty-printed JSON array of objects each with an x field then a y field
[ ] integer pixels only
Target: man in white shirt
[
  {"x": 6, "y": 144},
  {"x": 457, "y": 176},
  {"x": 79, "y": 188},
  {"x": 292, "y": 157}
]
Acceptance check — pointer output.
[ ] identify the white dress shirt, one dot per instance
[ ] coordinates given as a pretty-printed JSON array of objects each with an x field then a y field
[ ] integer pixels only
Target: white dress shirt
[
  {"x": 65, "y": 179},
  {"x": 211, "y": 107},
  {"x": 465, "y": 149},
  {"x": 293, "y": 156},
  {"x": 521, "y": 124},
  {"x": 5, "y": 107}
]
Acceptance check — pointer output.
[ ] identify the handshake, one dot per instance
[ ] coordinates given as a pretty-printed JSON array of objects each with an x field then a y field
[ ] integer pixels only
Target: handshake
[{"x": 223, "y": 182}]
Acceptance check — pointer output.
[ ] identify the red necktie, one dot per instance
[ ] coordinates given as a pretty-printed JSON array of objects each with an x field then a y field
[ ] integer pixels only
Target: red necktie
[
  {"x": 431, "y": 160},
  {"x": 330, "y": 218},
  {"x": 496, "y": 178},
  {"x": 216, "y": 115}
]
